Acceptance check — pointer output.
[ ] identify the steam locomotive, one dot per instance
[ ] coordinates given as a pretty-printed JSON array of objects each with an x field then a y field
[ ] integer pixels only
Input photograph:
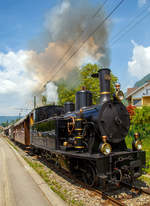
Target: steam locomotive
[
  {"x": 89, "y": 140},
  {"x": 86, "y": 140}
]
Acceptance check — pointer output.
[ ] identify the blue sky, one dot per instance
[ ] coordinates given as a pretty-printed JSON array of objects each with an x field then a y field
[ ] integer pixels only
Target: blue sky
[
  {"x": 20, "y": 21},
  {"x": 22, "y": 26}
]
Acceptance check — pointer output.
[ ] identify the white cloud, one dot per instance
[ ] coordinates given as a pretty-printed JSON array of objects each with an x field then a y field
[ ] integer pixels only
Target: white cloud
[
  {"x": 139, "y": 66},
  {"x": 18, "y": 83},
  {"x": 15, "y": 81},
  {"x": 14, "y": 76}
]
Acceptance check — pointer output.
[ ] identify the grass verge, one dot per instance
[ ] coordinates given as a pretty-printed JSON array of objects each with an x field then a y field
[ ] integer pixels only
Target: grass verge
[
  {"x": 12, "y": 144},
  {"x": 53, "y": 184}
]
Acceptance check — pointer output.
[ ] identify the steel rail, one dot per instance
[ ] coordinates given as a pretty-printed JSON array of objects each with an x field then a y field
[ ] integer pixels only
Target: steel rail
[
  {"x": 103, "y": 194},
  {"x": 140, "y": 190}
]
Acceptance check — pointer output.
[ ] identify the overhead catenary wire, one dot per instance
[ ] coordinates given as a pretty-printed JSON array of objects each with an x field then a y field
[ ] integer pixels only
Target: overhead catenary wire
[
  {"x": 93, "y": 32},
  {"x": 100, "y": 8},
  {"x": 135, "y": 21}
]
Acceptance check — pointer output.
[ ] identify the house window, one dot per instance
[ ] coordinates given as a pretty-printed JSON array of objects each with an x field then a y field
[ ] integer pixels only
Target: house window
[
  {"x": 147, "y": 91},
  {"x": 136, "y": 102}
]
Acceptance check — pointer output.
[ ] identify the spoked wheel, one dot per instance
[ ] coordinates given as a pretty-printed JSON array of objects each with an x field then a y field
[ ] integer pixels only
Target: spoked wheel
[
  {"x": 48, "y": 157},
  {"x": 89, "y": 175},
  {"x": 43, "y": 154}
]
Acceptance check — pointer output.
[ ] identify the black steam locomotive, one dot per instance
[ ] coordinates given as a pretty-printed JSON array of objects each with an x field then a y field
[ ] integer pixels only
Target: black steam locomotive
[{"x": 90, "y": 140}]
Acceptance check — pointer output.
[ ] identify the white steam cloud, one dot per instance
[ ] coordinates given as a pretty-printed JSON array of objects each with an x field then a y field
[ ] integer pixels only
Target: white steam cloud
[
  {"x": 63, "y": 25},
  {"x": 51, "y": 92}
]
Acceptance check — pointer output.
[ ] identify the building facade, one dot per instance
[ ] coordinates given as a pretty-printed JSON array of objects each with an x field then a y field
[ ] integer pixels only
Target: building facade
[{"x": 139, "y": 96}]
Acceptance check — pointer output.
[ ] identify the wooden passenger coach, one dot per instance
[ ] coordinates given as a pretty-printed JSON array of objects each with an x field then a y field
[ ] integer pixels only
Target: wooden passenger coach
[
  {"x": 8, "y": 131},
  {"x": 21, "y": 131}
]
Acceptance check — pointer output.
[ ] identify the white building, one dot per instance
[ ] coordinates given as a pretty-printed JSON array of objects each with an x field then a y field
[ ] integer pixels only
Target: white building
[{"x": 139, "y": 96}]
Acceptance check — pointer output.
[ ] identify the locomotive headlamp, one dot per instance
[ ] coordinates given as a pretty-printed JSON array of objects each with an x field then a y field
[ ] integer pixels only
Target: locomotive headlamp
[
  {"x": 105, "y": 148},
  {"x": 65, "y": 144},
  {"x": 138, "y": 145}
]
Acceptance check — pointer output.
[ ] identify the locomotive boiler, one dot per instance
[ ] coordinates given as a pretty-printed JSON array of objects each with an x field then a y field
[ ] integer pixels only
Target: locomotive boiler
[{"x": 90, "y": 140}]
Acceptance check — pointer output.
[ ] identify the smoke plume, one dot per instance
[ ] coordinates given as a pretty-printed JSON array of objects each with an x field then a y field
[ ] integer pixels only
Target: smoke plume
[{"x": 64, "y": 24}]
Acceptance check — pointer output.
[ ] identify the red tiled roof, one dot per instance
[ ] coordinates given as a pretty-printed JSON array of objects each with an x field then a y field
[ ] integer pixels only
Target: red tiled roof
[{"x": 130, "y": 90}]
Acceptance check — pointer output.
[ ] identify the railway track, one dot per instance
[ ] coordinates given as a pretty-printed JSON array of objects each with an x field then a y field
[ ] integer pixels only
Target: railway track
[
  {"x": 96, "y": 191},
  {"x": 137, "y": 189},
  {"x": 103, "y": 194},
  {"x": 107, "y": 197}
]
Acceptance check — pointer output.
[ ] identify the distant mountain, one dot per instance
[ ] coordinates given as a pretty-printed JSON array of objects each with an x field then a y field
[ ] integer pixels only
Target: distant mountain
[
  {"x": 7, "y": 118},
  {"x": 142, "y": 81}
]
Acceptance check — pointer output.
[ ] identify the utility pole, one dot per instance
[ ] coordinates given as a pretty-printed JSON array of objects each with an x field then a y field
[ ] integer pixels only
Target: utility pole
[
  {"x": 34, "y": 102},
  {"x": 19, "y": 115}
]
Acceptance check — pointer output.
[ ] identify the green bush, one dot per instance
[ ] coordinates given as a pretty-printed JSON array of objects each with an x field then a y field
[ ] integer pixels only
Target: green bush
[{"x": 140, "y": 122}]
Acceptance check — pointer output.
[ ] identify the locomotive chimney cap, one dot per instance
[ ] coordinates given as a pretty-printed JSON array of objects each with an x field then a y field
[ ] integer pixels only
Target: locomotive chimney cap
[
  {"x": 103, "y": 68},
  {"x": 96, "y": 75}
]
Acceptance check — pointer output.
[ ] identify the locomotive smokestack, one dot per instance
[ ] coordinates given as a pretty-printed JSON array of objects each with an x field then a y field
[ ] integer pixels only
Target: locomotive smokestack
[{"x": 104, "y": 78}]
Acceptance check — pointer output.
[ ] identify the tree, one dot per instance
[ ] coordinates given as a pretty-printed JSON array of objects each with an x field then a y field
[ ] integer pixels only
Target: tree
[
  {"x": 5, "y": 124},
  {"x": 68, "y": 87},
  {"x": 66, "y": 93}
]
